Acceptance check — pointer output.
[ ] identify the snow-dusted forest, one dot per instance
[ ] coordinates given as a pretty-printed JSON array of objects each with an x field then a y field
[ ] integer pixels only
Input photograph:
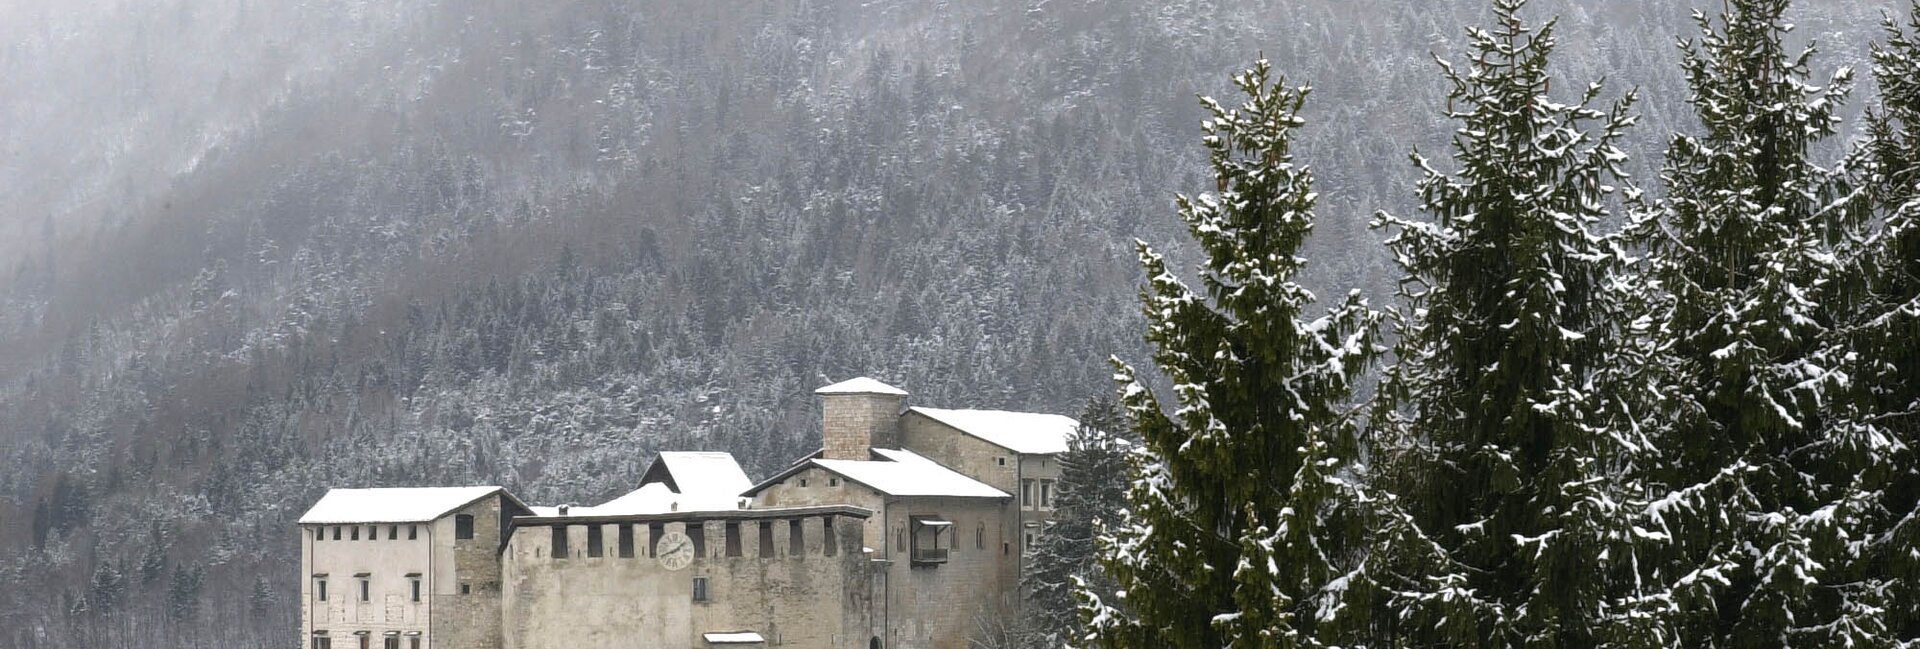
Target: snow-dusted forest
[{"x": 252, "y": 249}]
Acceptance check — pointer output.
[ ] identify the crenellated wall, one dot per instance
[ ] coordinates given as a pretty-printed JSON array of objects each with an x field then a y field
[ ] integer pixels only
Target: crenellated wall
[{"x": 815, "y": 594}]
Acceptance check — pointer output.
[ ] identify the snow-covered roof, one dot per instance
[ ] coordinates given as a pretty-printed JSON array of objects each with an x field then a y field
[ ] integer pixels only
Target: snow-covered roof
[
  {"x": 392, "y": 505},
  {"x": 905, "y": 473},
  {"x": 705, "y": 474},
  {"x": 861, "y": 385},
  {"x": 1020, "y": 432},
  {"x": 733, "y": 637}
]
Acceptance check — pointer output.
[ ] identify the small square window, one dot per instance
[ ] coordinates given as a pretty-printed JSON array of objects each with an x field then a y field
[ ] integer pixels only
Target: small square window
[
  {"x": 803, "y": 482},
  {"x": 466, "y": 588},
  {"x": 700, "y": 589},
  {"x": 833, "y": 482},
  {"x": 463, "y": 526},
  {"x": 1001, "y": 461}
]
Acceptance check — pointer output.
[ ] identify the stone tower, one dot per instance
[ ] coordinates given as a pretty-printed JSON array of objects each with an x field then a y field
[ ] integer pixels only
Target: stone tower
[{"x": 859, "y": 414}]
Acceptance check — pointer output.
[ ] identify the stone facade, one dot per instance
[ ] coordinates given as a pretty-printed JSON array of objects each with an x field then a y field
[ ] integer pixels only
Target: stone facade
[
  {"x": 903, "y": 532},
  {"x": 754, "y": 577}
]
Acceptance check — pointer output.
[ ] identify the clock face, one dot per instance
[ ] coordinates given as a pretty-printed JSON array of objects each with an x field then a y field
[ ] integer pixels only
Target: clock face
[{"x": 675, "y": 550}]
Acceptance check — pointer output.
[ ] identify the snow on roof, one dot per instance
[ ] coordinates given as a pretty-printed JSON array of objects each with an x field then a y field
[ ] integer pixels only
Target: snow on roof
[
  {"x": 733, "y": 637},
  {"x": 904, "y": 473},
  {"x": 861, "y": 385},
  {"x": 705, "y": 474},
  {"x": 1020, "y": 432},
  {"x": 391, "y": 505}
]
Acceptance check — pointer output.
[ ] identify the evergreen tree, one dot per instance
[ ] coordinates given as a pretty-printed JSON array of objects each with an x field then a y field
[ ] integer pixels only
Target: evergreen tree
[
  {"x": 1492, "y": 435},
  {"x": 1877, "y": 424},
  {"x": 1756, "y": 506},
  {"x": 1245, "y": 527},
  {"x": 1092, "y": 493}
]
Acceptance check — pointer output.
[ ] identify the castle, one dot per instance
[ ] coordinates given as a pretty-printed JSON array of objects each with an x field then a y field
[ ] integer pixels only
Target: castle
[{"x": 908, "y": 529}]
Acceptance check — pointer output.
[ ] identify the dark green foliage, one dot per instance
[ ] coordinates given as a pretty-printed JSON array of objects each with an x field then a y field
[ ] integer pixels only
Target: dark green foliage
[
  {"x": 1092, "y": 495},
  {"x": 1491, "y": 435},
  {"x": 1759, "y": 502},
  {"x": 1246, "y": 525}
]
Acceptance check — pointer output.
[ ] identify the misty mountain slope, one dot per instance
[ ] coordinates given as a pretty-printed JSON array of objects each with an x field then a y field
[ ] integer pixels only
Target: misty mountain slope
[{"x": 533, "y": 243}]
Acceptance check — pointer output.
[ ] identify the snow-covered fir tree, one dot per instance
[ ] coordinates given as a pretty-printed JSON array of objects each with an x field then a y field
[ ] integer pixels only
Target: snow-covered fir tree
[
  {"x": 1876, "y": 425},
  {"x": 1758, "y": 507},
  {"x": 1492, "y": 434},
  {"x": 1246, "y": 526},
  {"x": 1092, "y": 494}
]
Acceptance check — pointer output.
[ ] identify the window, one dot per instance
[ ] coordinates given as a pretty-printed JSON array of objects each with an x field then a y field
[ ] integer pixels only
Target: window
[
  {"x": 393, "y": 532},
  {"x": 699, "y": 589},
  {"x": 1028, "y": 548},
  {"x": 932, "y": 539},
  {"x": 899, "y": 539},
  {"x": 833, "y": 544},
  {"x": 733, "y": 539},
  {"x": 319, "y": 534},
  {"x": 413, "y": 643},
  {"x": 463, "y": 526},
  {"x": 559, "y": 542},
  {"x": 393, "y": 642},
  {"x": 803, "y": 482},
  {"x": 1000, "y": 460},
  {"x": 322, "y": 642},
  {"x": 413, "y": 585},
  {"x": 833, "y": 482},
  {"x": 364, "y": 640},
  {"x": 654, "y": 532},
  {"x": 373, "y": 532},
  {"x": 356, "y": 533},
  {"x": 980, "y": 537},
  {"x": 625, "y": 541},
  {"x": 413, "y": 534},
  {"x": 366, "y": 588},
  {"x": 1046, "y": 494},
  {"x": 766, "y": 538},
  {"x": 466, "y": 588},
  {"x": 336, "y": 532},
  {"x": 596, "y": 545},
  {"x": 796, "y": 538},
  {"x": 1026, "y": 493},
  {"x": 320, "y": 588},
  {"x": 697, "y": 532}
]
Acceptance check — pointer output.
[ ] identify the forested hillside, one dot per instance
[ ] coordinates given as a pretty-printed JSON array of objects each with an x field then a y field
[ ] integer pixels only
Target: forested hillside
[{"x": 257, "y": 248}]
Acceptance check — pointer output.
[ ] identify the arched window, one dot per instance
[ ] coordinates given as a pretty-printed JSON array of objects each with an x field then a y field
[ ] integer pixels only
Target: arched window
[{"x": 874, "y": 643}]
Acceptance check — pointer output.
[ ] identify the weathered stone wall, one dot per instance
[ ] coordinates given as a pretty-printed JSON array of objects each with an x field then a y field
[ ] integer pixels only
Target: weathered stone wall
[
  {"x": 822, "y": 487},
  {"x": 466, "y": 579},
  {"x": 805, "y": 598},
  {"x": 850, "y": 424},
  {"x": 938, "y": 605},
  {"x": 385, "y": 561}
]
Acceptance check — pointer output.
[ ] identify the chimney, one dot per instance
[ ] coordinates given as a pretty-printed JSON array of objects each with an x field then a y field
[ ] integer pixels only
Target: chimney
[{"x": 859, "y": 414}]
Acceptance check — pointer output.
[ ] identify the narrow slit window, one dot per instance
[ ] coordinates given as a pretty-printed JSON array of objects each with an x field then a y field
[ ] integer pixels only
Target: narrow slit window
[
  {"x": 733, "y": 539},
  {"x": 654, "y": 532},
  {"x": 625, "y": 542},
  {"x": 697, "y": 532},
  {"x": 796, "y": 538},
  {"x": 766, "y": 538},
  {"x": 832, "y": 544},
  {"x": 320, "y": 589},
  {"x": 559, "y": 550},
  {"x": 596, "y": 546}
]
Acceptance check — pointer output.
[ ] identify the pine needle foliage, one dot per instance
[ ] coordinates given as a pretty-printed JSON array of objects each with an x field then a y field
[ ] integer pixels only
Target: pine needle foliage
[
  {"x": 1247, "y": 526},
  {"x": 1756, "y": 514},
  {"x": 1494, "y": 437}
]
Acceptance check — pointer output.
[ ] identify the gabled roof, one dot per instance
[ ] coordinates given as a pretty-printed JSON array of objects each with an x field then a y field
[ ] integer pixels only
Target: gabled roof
[
  {"x": 861, "y": 385},
  {"x": 700, "y": 473},
  {"x": 1020, "y": 432},
  {"x": 395, "y": 504},
  {"x": 896, "y": 473}
]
